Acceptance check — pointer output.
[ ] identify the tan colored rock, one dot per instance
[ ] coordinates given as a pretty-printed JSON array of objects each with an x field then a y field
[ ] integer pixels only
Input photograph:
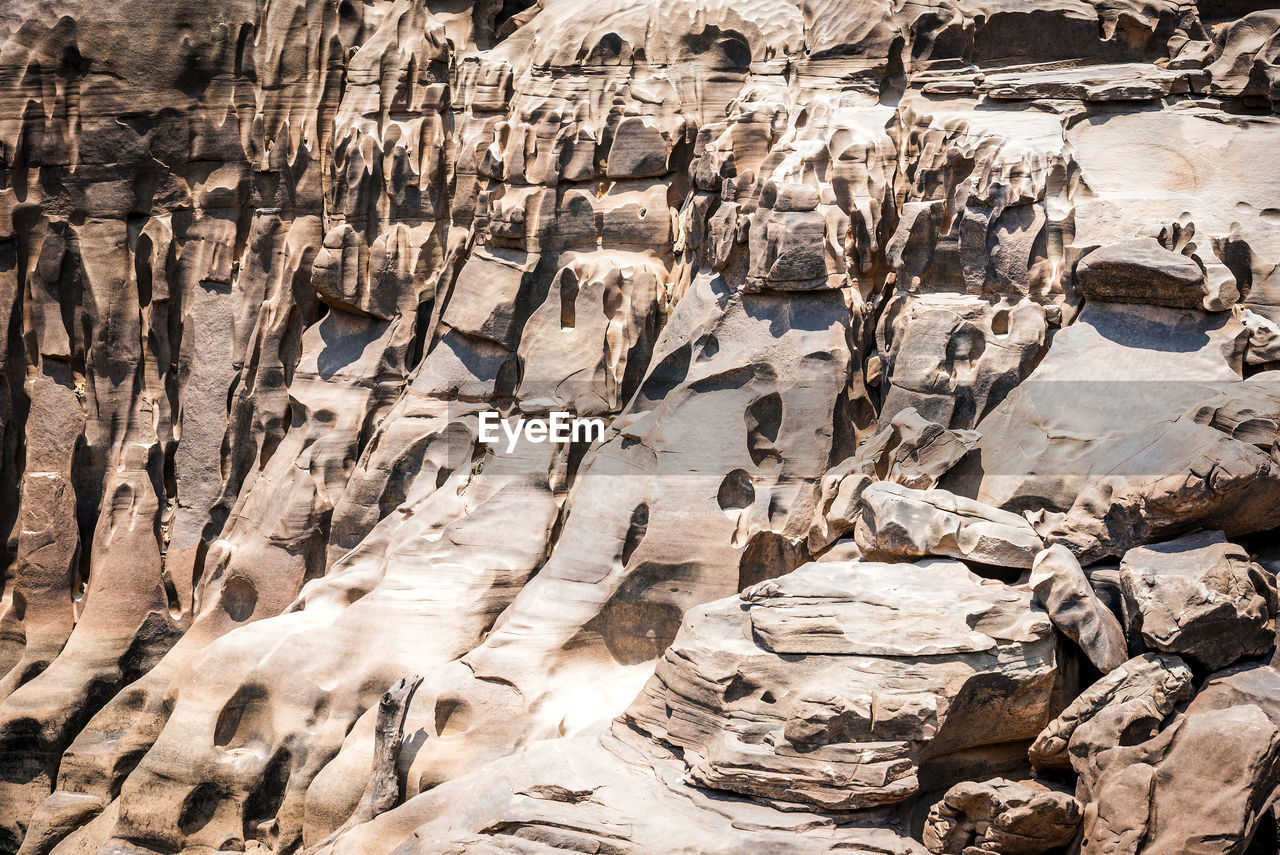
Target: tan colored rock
[
  {"x": 999, "y": 815},
  {"x": 1064, "y": 590},
  {"x": 1131, "y": 701},
  {"x": 1248, "y": 411},
  {"x": 612, "y": 791},
  {"x": 1179, "y": 477},
  {"x": 904, "y": 523},
  {"x": 1248, "y": 63},
  {"x": 853, "y": 726},
  {"x": 264, "y": 266},
  {"x": 913, "y": 451},
  {"x": 953, "y": 357},
  {"x": 1205, "y": 781},
  {"x": 1112, "y": 375},
  {"x": 1142, "y": 271},
  {"x": 910, "y": 451},
  {"x": 1200, "y": 596}
]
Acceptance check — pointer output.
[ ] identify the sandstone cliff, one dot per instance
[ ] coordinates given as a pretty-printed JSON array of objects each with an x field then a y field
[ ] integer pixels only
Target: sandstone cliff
[{"x": 938, "y": 499}]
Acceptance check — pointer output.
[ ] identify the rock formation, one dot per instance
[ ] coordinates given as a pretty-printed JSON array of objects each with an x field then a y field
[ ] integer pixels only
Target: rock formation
[{"x": 929, "y": 486}]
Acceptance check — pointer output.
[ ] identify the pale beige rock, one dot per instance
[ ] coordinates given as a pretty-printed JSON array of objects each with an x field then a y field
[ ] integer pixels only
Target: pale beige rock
[
  {"x": 801, "y": 691},
  {"x": 913, "y": 451},
  {"x": 1178, "y": 477},
  {"x": 613, "y": 791},
  {"x": 1247, "y": 64},
  {"x": 264, "y": 265},
  {"x": 896, "y": 521},
  {"x": 910, "y": 451},
  {"x": 1113, "y": 374},
  {"x": 1248, "y": 411}
]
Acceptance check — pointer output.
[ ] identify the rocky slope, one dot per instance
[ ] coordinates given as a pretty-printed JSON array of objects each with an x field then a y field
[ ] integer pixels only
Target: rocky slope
[{"x": 937, "y": 500}]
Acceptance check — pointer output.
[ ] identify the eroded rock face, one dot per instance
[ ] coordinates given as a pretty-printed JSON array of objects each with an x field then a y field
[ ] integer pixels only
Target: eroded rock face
[
  {"x": 1130, "y": 701},
  {"x": 876, "y": 660},
  {"x": 850, "y": 286},
  {"x": 1076, "y": 610},
  {"x": 1001, "y": 816},
  {"x": 1143, "y": 271},
  {"x": 1174, "y": 790},
  {"x": 1201, "y": 597},
  {"x": 904, "y": 523}
]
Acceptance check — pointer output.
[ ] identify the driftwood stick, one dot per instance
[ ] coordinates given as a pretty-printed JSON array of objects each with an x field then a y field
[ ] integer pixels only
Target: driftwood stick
[{"x": 383, "y": 790}]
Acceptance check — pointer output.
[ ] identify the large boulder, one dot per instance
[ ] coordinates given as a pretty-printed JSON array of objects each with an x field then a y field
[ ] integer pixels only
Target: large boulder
[
  {"x": 910, "y": 450},
  {"x": 1201, "y": 597},
  {"x": 913, "y": 451},
  {"x": 1202, "y": 785},
  {"x": 1177, "y": 477},
  {"x": 1132, "y": 700},
  {"x": 1143, "y": 271},
  {"x": 1001, "y": 816},
  {"x": 853, "y": 684}
]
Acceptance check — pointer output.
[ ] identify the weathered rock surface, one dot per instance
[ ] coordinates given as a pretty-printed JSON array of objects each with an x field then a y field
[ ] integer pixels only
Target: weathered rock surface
[
  {"x": 1200, "y": 596},
  {"x": 790, "y": 694},
  {"x": 838, "y": 684},
  {"x": 1065, "y": 591},
  {"x": 844, "y": 279},
  {"x": 1204, "y": 783},
  {"x": 611, "y": 793},
  {"x": 1008, "y": 817},
  {"x": 901, "y": 522},
  {"x": 1131, "y": 701},
  {"x": 1116, "y": 373},
  {"x": 1142, "y": 271},
  {"x": 910, "y": 451}
]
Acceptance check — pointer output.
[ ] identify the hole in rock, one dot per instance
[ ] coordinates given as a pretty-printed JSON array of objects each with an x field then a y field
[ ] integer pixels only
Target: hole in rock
[
  {"x": 198, "y": 808},
  {"x": 246, "y": 716},
  {"x": 739, "y": 687},
  {"x": 767, "y": 556},
  {"x": 568, "y": 300},
  {"x": 509, "y": 9},
  {"x": 635, "y": 532},
  {"x": 264, "y": 802},
  {"x": 239, "y": 597},
  {"x": 764, "y": 418},
  {"x": 708, "y": 346},
  {"x": 667, "y": 374},
  {"x": 640, "y": 620},
  {"x": 736, "y": 491},
  {"x": 453, "y": 715}
]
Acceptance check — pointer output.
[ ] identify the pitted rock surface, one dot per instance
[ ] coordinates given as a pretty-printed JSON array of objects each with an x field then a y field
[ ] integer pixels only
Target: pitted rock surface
[{"x": 871, "y": 303}]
